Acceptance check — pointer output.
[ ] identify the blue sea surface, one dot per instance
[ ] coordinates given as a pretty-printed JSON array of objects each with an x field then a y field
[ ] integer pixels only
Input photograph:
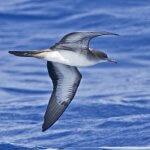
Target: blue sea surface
[{"x": 112, "y": 105}]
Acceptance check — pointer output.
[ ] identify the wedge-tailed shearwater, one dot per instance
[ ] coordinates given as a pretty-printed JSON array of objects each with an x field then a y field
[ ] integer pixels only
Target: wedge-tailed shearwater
[{"x": 63, "y": 58}]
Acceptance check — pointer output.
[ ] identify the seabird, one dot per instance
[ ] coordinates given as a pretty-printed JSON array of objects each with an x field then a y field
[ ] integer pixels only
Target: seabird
[{"x": 63, "y": 58}]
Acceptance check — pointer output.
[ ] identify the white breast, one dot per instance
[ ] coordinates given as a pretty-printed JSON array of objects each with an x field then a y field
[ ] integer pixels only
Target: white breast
[{"x": 68, "y": 58}]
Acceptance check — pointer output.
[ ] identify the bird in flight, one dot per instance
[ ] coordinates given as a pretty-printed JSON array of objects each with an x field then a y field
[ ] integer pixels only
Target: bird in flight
[{"x": 63, "y": 58}]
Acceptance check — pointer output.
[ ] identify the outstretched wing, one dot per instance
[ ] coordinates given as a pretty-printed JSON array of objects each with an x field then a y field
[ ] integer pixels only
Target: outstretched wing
[
  {"x": 78, "y": 40},
  {"x": 65, "y": 80}
]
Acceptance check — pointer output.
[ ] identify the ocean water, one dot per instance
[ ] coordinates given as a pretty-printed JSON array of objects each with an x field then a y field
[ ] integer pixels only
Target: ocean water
[{"x": 112, "y": 105}]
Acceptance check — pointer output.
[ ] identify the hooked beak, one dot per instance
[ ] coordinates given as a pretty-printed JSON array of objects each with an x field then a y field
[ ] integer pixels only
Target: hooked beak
[{"x": 111, "y": 60}]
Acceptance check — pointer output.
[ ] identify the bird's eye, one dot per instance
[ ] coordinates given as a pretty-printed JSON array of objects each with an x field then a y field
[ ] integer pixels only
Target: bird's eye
[{"x": 105, "y": 55}]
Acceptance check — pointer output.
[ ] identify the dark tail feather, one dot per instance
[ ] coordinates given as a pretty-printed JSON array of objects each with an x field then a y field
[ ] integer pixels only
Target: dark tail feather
[{"x": 25, "y": 53}]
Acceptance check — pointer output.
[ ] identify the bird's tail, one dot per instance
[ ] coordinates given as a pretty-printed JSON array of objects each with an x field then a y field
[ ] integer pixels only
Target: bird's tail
[{"x": 35, "y": 53}]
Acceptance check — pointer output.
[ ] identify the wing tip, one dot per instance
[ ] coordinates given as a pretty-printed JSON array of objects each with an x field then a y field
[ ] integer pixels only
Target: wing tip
[
  {"x": 116, "y": 34},
  {"x": 110, "y": 33},
  {"x": 44, "y": 128}
]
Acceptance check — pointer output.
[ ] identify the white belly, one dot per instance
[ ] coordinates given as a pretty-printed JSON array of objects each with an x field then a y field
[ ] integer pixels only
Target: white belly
[{"x": 68, "y": 58}]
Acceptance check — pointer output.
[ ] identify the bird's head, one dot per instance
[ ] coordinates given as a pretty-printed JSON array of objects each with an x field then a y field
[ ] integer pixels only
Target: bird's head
[{"x": 103, "y": 56}]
